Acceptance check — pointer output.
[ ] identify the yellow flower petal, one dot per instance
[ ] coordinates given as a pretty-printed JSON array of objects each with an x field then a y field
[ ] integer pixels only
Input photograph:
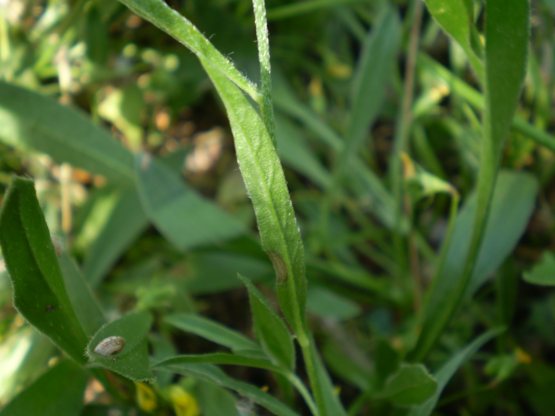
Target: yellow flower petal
[
  {"x": 184, "y": 404},
  {"x": 146, "y": 397}
]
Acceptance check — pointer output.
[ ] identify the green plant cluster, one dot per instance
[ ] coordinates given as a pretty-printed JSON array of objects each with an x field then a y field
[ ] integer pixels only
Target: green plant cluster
[{"x": 324, "y": 207}]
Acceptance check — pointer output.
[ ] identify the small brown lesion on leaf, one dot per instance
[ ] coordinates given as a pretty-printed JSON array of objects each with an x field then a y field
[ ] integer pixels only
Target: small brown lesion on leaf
[
  {"x": 279, "y": 267},
  {"x": 50, "y": 308}
]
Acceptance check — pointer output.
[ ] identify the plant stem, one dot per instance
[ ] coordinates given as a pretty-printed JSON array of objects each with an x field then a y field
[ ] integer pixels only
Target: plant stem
[
  {"x": 266, "y": 106},
  {"x": 402, "y": 134}
]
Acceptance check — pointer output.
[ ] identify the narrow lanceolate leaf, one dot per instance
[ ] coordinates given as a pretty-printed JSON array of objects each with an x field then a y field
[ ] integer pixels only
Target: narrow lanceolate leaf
[
  {"x": 183, "y": 216},
  {"x": 32, "y": 121},
  {"x": 265, "y": 183},
  {"x": 84, "y": 303},
  {"x": 507, "y": 30},
  {"x": 121, "y": 346},
  {"x": 218, "y": 358},
  {"x": 371, "y": 79},
  {"x": 177, "y": 26},
  {"x": 58, "y": 392},
  {"x": 456, "y": 17},
  {"x": 212, "y": 331},
  {"x": 512, "y": 205},
  {"x": 216, "y": 376},
  {"x": 39, "y": 291},
  {"x": 271, "y": 331}
]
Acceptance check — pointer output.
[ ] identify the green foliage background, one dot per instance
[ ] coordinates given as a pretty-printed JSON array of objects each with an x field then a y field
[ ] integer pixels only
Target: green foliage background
[{"x": 388, "y": 200}]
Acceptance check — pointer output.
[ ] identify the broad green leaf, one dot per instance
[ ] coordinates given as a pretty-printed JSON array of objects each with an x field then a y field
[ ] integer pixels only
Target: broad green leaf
[
  {"x": 271, "y": 331},
  {"x": 124, "y": 223},
  {"x": 57, "y": 392},
  {"x": 177, "y": 26},
  {"x": 446, "y": 372},
  {"x": 218, "y": 358},
  {"x": 216, "y": 376},
  {"x": 456, "y": 17},
  {"x": 39, "y": 291},
  {"x": 132, "y": 360},
  {"x": 543, "y": 272},
  {"x": 180, "y": 213},
  {"x": 265, "y": 183},
  {"x": 412, "y": 384},
  {"x": 372, "y": 75},
  {"x": 211, "y": 331},
  {"x": 32, "y": 121},
  {"x": 82, "y": 299},
  {"x": 512, "y": 205}
]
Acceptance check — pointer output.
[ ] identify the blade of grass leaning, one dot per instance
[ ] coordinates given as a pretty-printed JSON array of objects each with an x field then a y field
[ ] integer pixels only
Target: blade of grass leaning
[
  {"x": 507, "y": 32},
  {"x": 38, "y": 286},
  {"x": 181, "y": 29},
  {"x": 373, "y": 72},
  {"x": 456, "y": 17},
  {"x": 29, "y": 120}
]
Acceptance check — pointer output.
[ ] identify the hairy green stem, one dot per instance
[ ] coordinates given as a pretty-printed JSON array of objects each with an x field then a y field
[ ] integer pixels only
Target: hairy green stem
[{"x": 266, "y": 106}]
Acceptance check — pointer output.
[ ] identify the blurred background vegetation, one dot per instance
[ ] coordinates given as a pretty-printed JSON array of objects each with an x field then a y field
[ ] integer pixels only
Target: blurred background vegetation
[{"x": 153, "y": 96}]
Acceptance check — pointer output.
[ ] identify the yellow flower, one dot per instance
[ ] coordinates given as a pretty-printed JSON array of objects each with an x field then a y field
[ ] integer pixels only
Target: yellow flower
[
  {"x": 146, "y": 397},
  {"x": 184, "y": 404}
]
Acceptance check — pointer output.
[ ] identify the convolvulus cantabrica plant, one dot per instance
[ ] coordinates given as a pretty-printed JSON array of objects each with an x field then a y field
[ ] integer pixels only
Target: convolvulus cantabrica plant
[{"x": 343, "y": 268}]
